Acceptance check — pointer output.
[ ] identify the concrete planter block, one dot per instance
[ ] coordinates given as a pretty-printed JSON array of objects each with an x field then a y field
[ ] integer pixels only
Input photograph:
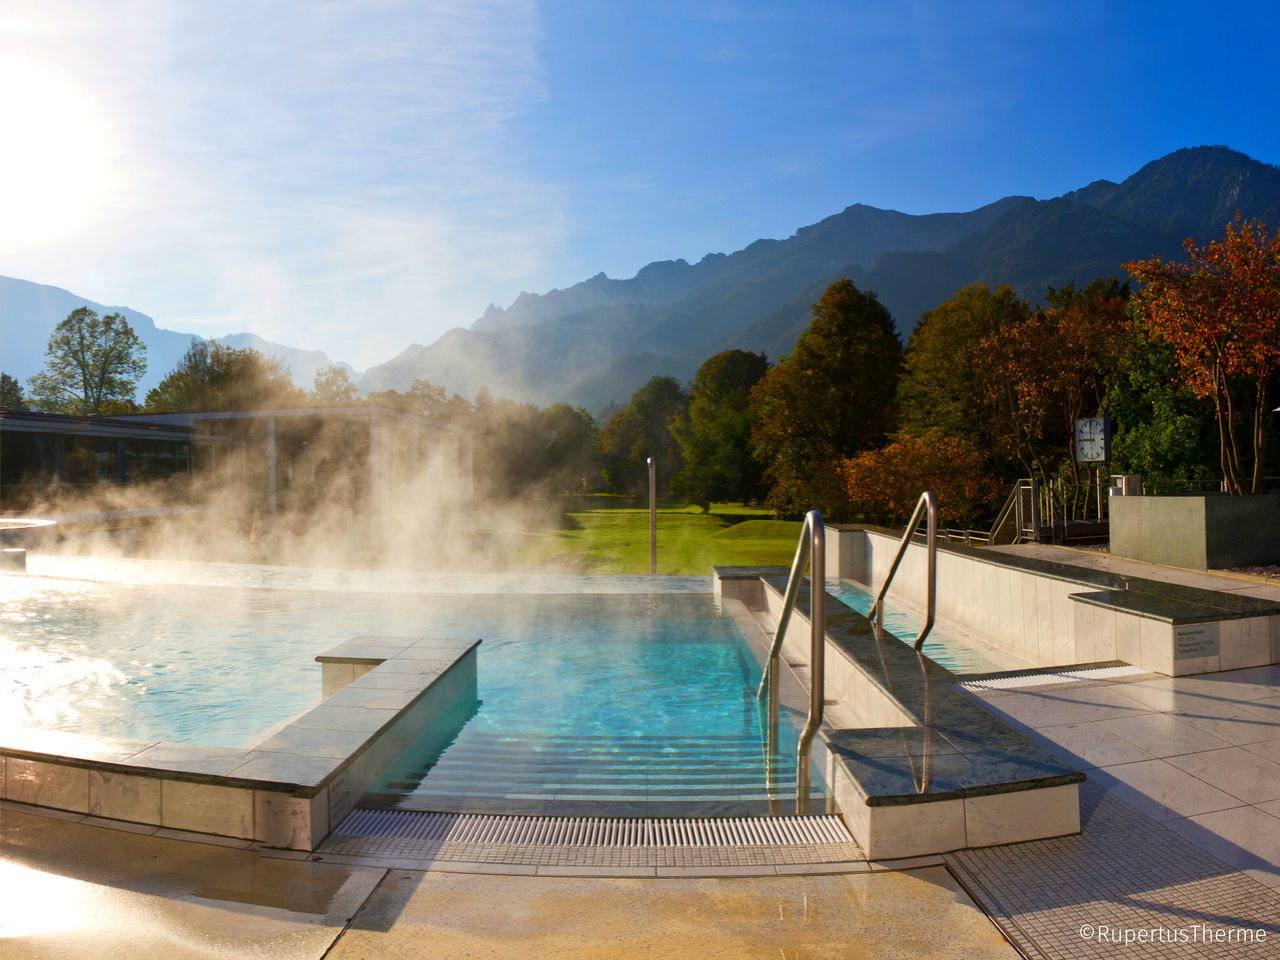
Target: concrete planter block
[{"x": 1200, "y": 531}]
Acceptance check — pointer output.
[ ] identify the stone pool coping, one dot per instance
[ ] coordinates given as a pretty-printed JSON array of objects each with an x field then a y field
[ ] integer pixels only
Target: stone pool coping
[
  {"x": 970, "y": 752},
  {"x": 1050, "y": 612},
  {"x": 288, "y": 789},
  {"x": 1172, "y": 603},
  {"x": 973, "y": 779}
]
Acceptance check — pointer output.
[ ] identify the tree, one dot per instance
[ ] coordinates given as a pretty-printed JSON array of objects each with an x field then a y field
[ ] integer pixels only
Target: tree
[
  {"x": 1220, "y": 311},
  {"x": 940, "y": 386},
  {"x": 830, "y": 400},
  {"x": 92, "y": 366},
  {"x": 11, "y": 397},
  {"x": 1163, "y": 430},
  {"x": 887, "y": 482},
  {"x": 510, "y": 445},
  {"x": 640, "y": 431},
  {"x": 425, "y": 399},
  {"x": 714, "y": 433},
  {"x": 518, "y": 448},
  {"x": 334, "y": 388},
  {"x": 571, "y": 448},
  {"x": 1014, "y": 368},
  {"x": 212, "y": 377},
  {"x": 1042, "y": 373}
]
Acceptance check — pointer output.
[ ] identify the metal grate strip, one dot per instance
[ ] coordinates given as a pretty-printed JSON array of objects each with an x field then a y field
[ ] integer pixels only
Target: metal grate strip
[
  {"x": 411, "y": 825},
  {"x": 1044, "y": 679}
]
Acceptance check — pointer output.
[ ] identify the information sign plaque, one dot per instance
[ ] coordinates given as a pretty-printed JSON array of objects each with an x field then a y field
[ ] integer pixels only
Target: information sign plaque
[{"x": 1194, "y": 640}]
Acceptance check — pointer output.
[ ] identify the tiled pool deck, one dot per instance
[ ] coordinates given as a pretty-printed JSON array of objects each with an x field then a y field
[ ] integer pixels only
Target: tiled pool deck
[
  {"x": 1180, "y": 818},
  {"x": 1199, "y": 754}
]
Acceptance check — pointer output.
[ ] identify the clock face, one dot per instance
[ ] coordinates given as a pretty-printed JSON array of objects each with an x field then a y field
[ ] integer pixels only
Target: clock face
[{"x": 1092, "y": 440}]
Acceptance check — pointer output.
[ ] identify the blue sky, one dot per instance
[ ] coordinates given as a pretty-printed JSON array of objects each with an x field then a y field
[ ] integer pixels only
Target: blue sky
[{"x": 355, "y": 177}]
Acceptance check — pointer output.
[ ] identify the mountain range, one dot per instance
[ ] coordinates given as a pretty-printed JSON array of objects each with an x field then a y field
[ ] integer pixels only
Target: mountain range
[
  {"x": 597, "y": 341},
  {"x": 592, "y": 344}
]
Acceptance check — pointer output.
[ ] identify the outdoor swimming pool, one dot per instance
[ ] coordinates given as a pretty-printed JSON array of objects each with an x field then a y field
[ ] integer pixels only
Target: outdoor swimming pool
[
  {"x": 641, "y": 695},
  {"x": 955, "y": 651}
]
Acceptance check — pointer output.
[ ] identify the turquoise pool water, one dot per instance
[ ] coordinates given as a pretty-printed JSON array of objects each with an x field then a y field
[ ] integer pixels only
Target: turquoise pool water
[
  {"x": 620, "y": 706},
  {"x": 956, "y": 652},
  {"x": 640, "y": 701}
]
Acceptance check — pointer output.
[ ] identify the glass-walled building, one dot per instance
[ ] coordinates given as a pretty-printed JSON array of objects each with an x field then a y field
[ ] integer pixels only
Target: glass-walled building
[
  {"x": 359, "y": 476},
  {"x": 43, "y": 453},
  {"x": 386, "y": 466}
]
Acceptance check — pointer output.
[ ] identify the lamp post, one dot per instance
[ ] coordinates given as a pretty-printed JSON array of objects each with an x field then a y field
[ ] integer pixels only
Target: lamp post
[{"x": 653, "y": 517}]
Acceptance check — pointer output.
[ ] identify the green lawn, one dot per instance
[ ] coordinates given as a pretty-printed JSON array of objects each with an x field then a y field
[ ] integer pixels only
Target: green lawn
[{"x": 611, "y": 535}]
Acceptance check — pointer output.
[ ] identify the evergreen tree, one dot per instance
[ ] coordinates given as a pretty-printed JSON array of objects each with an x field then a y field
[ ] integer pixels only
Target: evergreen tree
[{"x": 11, "y": 397}]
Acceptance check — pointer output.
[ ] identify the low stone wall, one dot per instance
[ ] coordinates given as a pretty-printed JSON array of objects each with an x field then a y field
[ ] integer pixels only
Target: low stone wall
[
  {"x": 1054, "y": 614},
  {"x": 1199, "y": 531},
  {"x": 290, "y": 789}
]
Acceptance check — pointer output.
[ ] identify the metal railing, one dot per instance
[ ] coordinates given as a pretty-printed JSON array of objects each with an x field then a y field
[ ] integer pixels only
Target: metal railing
[
  {"x": 1020, "y": 519},
  {"x": 927, "y": 503},
  {"x": 967, "y": 537},
  {"x": 813, "y": 549},
  {"x": 1007, "y": 528}
]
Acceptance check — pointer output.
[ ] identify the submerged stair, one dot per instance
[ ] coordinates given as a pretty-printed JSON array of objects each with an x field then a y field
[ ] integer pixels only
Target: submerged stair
[{"x": 690, "y": 775}]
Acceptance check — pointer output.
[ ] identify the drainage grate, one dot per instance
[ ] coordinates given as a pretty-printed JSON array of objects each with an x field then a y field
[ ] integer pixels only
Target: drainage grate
[
  {"x": 1044, "y": 679},
  {"x": 716, "y": 841},
  {"x": 593, "y": 831}
]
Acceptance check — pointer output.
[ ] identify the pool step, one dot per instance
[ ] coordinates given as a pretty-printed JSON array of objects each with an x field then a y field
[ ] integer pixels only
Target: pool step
[{"x": 564, "y": 767}]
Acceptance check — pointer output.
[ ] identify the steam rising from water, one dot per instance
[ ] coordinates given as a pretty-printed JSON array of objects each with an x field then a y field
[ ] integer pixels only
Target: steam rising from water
[
  {"x": 405, "y": 500},
  {"x": 225, "y": 611},
  {"x": 213, "y": 653}
]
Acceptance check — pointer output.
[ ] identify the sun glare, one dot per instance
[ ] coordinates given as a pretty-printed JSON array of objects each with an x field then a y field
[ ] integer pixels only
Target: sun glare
[
  {"x": 34, "y": 903},
  {"x": 53, "y": 169}
]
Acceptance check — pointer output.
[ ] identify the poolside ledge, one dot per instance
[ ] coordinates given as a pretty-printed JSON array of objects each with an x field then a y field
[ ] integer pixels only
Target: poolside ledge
[
  {"x": 1050, "y": 613},
  {"x": 286, "y": 790}
]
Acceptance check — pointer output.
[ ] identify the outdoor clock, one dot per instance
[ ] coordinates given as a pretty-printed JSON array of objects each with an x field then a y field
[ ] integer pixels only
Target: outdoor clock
[{"x": 1093, "y": 440}]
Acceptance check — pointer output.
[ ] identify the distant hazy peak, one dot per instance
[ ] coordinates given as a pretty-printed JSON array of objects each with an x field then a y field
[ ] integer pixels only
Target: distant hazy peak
[{"x": 303, "y": 364}]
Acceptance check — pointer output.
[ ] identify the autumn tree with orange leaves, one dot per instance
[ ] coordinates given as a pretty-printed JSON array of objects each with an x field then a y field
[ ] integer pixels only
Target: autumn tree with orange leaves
[
  {"x": 886, "y": 483},
  {"x": 1220, "y": 312},
  {"x": 1041, "y": 374}
]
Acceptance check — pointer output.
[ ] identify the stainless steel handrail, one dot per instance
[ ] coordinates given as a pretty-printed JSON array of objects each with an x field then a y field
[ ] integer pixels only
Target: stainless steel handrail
[
  {"x": 927, "y": 503},
  {"x": 812, "y": 548}
]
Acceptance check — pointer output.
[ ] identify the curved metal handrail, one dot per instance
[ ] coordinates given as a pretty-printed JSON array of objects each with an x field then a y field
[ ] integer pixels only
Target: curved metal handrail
[
  {"x": 927, "y": 503},
  {"x": 812, "y": 548}
]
